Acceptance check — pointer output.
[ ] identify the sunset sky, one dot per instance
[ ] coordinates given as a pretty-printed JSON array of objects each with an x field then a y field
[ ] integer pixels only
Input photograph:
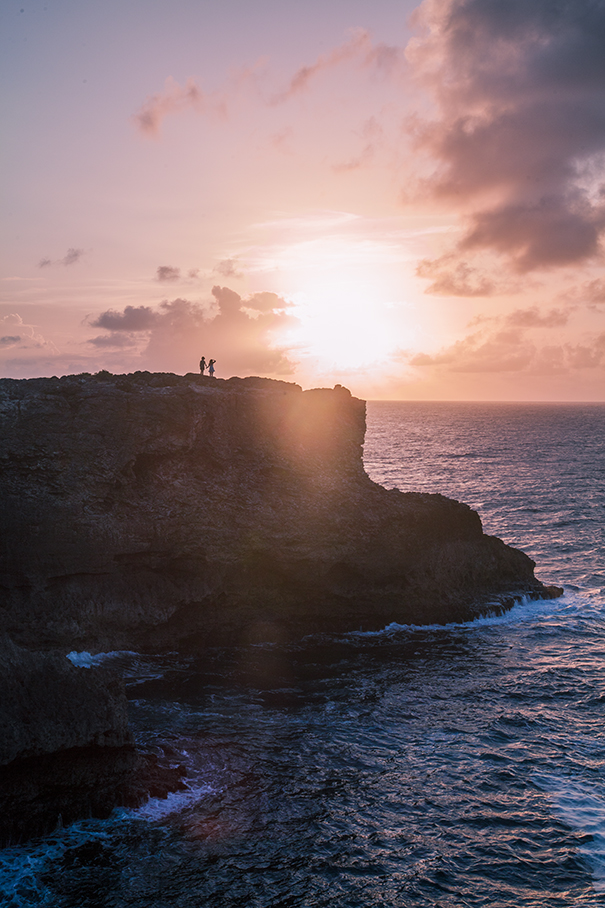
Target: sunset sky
[{"x": 405, "y": 199}]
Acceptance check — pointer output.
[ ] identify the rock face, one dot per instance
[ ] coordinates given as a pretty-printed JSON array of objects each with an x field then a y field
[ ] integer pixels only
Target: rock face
[
  {"x": 66, "y": 750},
  {"x": 65, "y": 745},
  {"x": 154, "y": 511},
  {"x": 48, "y": 704}
]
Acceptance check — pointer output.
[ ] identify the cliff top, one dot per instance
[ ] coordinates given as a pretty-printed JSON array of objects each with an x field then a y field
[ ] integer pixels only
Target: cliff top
[{"x": 136, "y": 381}]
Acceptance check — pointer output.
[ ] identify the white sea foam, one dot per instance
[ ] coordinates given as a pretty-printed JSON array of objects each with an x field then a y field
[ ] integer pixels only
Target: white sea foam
[
  {"x": 176, "y": 802},
  {"x": 581, "y": 807},
  {"x": 525, "y": 609},
  {"x": 87, "y": 660},
  {"x": 134, "y": 667}
]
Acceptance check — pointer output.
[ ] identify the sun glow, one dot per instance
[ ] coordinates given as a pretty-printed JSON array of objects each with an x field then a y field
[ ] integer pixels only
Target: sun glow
[
  {"x": 343, "y": 290},
  {"x": 343, "y": 325}
]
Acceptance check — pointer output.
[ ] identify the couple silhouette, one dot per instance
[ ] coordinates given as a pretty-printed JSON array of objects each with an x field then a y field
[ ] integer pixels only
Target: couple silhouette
[{"x": 209, "y": 365}]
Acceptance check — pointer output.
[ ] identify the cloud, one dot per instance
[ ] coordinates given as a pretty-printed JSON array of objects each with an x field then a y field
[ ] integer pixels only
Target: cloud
[
  {"x": 595, "y": 291},
  {"x": 227, "y": 268},
  {"x": 503, "y": 351},
  {"x": 507, "y": 344},
  {"x": 240, "y": 334},
  {"x": 133, "y": 318},
  {"x": 519, "y": 134},
  {"x": 380, "y": 59},
  {"x": 358, "y": 45},
  {"x": 279, "y": 140},
  {"x": 266, "y": 302},
  {"x": 27, "y": 338},
  {"x": 587, "y": 357},
  {"x": 451, "y": 277},
  {"x": 72, "y": 256},
  {"x": 167, "y": 273},
  {"x": 173, "y": 99},
  {"x": 372, "y": 134},
  {"x": 113, "y": 340},
  {"x": 592, "y": 293},
  {"x": 531, "y": 318}
]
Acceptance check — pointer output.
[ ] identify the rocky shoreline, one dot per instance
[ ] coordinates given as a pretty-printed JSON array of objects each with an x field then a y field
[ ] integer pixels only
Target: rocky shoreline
[{"x": 152, "y": 512}]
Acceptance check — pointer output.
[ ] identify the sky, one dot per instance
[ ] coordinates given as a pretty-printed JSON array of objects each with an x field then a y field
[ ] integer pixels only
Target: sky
[{"x": 406, "y": 199}]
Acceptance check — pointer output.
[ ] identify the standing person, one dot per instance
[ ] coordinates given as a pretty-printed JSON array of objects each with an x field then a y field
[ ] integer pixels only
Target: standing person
[
  {"x": 211, "y": 368},
  {"x": 203, "y": 364}
]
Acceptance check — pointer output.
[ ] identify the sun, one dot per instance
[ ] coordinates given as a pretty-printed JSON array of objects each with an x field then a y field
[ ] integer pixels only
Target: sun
[
  {"x": 342, "y": 295},
  {"x": 343, "y": 325}
]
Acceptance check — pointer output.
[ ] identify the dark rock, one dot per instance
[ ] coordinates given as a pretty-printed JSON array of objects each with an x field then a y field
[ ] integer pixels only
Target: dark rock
[
  {"x": 153, "y": 510},
  {"x": 38, "y": 794},
  {"x": 65, "y": 745},
  {"x": 49, "y": 705},
  {"x": 66, "y": 750},
  {"x": 553, "y": 592}
]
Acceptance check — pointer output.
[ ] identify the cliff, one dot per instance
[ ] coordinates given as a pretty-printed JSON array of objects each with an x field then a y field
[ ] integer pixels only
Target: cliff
[{"x": 155, "y": 510}]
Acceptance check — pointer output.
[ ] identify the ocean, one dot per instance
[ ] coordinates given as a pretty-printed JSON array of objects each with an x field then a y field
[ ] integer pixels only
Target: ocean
[{"x": 443, "y": 766}]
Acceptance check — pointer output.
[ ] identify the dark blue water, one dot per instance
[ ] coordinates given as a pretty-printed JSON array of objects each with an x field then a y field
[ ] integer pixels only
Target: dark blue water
[{"x": 442, "y": 766}]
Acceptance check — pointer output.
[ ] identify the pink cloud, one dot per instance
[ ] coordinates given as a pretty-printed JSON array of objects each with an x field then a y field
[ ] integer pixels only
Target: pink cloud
[
  {"x": 379, "y": 58},
  {"x": 239, "y": 334},
  {"x": 167, "y": 273},
  {"x": 174, "y": 98},
  {"x": 511, "y": 343}
]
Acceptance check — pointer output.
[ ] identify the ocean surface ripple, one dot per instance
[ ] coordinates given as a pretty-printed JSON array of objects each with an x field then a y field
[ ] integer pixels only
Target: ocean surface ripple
[{"x": 440, "y": 766}]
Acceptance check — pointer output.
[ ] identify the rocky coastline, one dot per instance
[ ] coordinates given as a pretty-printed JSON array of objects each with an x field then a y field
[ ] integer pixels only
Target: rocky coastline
[{"x": 153, "y": 512}]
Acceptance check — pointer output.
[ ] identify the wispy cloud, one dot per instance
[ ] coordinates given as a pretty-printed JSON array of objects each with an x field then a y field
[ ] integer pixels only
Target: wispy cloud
[
  {"x": 372, "y": 135},
  {"x": 380, "y": 59},
  {"x": 72, "y": 256},
  {"x": 359, "y": 47},
  {"x": 451, "y": 276},
  {"x": 228, "y": 268},
  {"x": 515, "y": 343},
  {"x": 173, "y": 99}
]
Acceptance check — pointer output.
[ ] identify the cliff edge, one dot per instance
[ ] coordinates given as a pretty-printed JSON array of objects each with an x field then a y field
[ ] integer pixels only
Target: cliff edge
[{"x": 152, "y": 511}]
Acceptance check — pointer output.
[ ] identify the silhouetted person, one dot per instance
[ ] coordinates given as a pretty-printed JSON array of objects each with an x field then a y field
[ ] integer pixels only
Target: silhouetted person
[
  {"x": 203, "y": 364},
  {"x": 211, "y": 368}
]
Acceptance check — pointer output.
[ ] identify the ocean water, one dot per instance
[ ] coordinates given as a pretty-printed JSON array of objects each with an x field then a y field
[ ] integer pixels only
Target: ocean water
[{"x": 440, "y": 766}]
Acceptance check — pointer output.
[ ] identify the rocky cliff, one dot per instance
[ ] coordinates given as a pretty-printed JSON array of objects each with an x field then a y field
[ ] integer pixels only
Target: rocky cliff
[{"x": 155, "y": 510}]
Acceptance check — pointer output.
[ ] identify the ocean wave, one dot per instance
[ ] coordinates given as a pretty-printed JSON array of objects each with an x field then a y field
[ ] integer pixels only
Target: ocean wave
[
  {"x": 525, "y": 609},
  {"x": 581, "y": 807},
  {"x": 85, "y": 659},
  {"x": 159, "y": 809}
]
